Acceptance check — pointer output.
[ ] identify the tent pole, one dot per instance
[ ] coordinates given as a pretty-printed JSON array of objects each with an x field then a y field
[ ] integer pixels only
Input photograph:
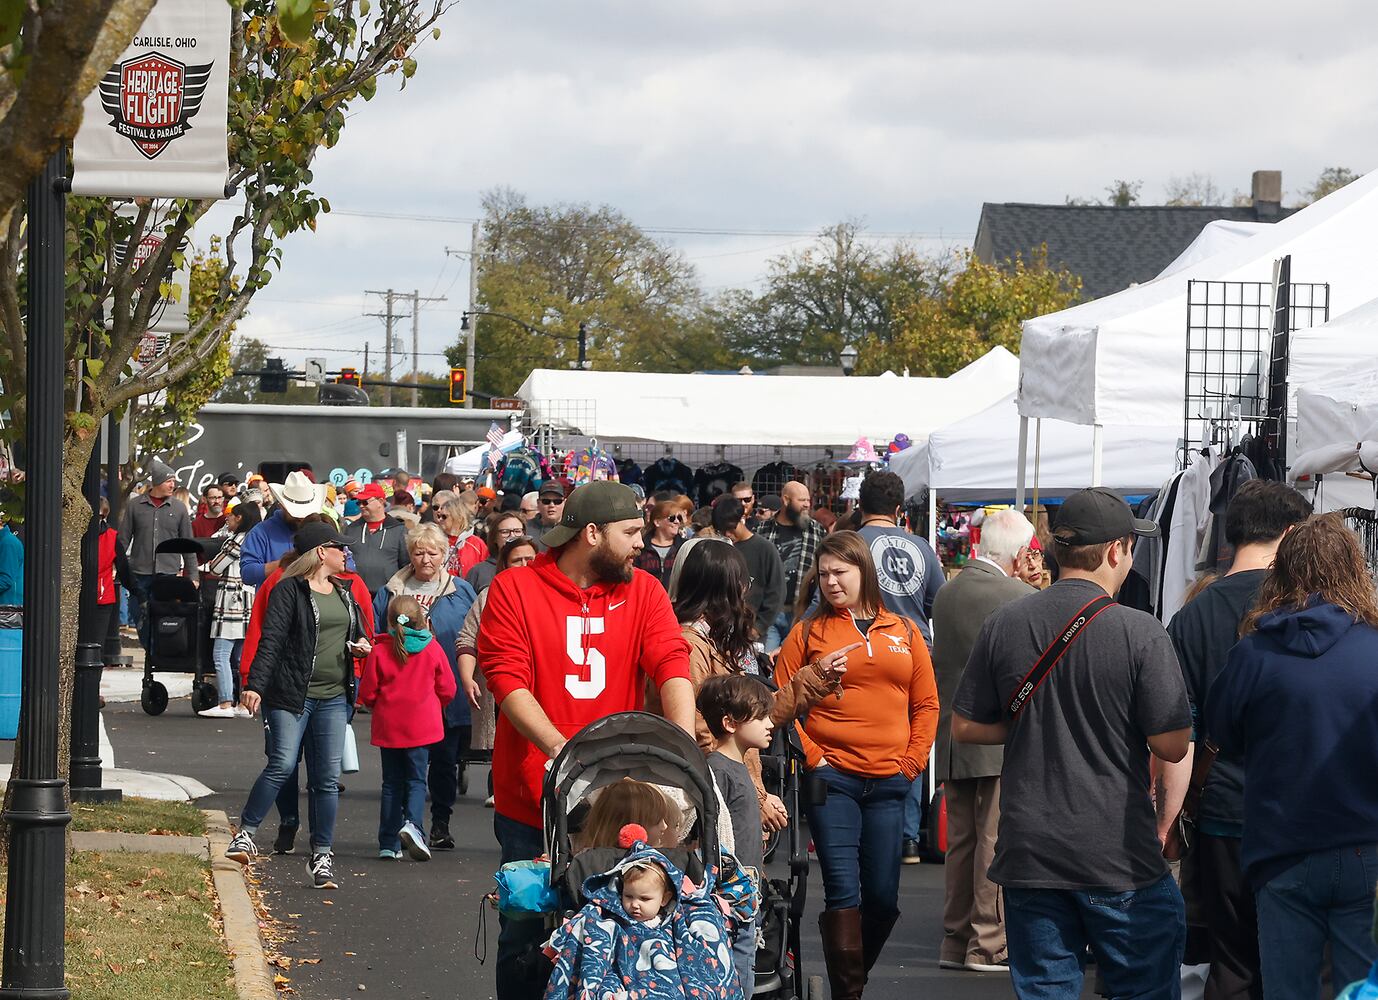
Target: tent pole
[
  {"x": 1096, "y": 454},
  {"x": 1038, "y": 453},
  {"x": 933, "y": 518},
  {"x": 1023, "y": 457}
]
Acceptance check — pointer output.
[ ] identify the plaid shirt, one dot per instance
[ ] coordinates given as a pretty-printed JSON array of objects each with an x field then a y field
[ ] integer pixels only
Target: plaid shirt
[{"x": 810, "y": 541}]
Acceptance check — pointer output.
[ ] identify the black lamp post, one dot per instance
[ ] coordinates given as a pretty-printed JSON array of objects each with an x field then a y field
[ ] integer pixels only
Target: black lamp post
[
  {"x": 848, "y": 358},
  {"x": 33, "y": 951},
  {"x": 582, "y": 364}
]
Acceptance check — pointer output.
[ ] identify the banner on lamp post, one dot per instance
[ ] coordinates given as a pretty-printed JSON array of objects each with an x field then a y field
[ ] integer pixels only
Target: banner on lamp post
[
  {"x": 169, "y": 318},
  {"x": 155, "y": 126}
]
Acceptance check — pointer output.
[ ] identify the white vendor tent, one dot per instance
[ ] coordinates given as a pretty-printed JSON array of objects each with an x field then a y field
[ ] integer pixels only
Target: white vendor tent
[
  {"x": 977, "y": 458},
  {"x": 470, "y": 463},
  {"x": 761, "y": 409},
  {"x": 1215, "y": 237},
  {"x": 1328, "y": 353},
  {"x": 1337, "y": 432},
  {"x": 1121, "y": 359}
]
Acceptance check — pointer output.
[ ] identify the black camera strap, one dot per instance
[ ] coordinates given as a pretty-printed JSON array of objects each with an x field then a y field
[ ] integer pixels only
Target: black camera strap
[{"x": 1055, "y": 652}]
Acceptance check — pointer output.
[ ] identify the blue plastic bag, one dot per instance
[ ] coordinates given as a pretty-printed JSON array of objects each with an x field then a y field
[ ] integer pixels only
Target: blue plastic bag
[
  {"x": 524, "y": 890},
  {"x": 1365, "y": 990}
]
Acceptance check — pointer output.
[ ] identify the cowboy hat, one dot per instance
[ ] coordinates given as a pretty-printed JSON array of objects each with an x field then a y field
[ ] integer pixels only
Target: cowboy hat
[{"x": 299, "y": 496}]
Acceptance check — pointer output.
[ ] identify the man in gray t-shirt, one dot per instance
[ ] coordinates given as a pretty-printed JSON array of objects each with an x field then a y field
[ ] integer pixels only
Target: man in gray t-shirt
[{"x": 1078, "y": 852}]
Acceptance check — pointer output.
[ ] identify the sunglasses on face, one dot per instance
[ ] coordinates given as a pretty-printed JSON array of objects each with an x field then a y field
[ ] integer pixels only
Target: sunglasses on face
[
  {"x": 676, "y": 519},
  {"x": 337, "y": 546},
  {"x": 551, "y": 500}
]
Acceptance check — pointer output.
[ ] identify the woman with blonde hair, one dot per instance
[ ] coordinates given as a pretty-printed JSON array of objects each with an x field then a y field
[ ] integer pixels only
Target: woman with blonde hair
[
  {"x": 466, "y": 549},
  {"x": 663, "y": 538},
  {"x": 1298, "y": 698}
]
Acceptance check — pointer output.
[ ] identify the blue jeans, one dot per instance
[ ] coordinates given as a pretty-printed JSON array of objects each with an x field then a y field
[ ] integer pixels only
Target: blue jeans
[
  {"x": 1137, "y": 937},
  {"x": 446, "y": 766},
  {"x": 404, "y": 793},
  {"x": 776, "y": 634},
  {"x": 522, "y": 971},
  {"x": 320, "y": 728},
  {"x": 289, "y": 807},
  {"x": 1326, "y": 896},
  {"x": 857, "y": 833},
  {"x": 225, "y": 656},
  {"x": 744, "y": 957},
  {"x": 913, "y": 809}
]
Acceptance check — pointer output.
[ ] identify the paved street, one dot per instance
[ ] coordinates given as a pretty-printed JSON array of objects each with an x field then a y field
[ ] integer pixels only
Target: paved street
[{"x": 395, "y": 926}]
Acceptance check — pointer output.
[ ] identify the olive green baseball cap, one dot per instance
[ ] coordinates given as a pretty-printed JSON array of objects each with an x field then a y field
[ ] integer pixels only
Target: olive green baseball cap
[{"x": 602, "y": 502}]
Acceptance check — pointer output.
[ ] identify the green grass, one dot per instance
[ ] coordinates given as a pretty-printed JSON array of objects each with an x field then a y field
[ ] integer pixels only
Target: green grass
[
  {"x": 144, "y": 925},
  {"x": 134, "y": 815}
]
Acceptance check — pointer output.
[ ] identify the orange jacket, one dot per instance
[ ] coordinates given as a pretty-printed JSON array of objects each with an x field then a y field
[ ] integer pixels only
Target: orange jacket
[{"x": 887, "y": 716}]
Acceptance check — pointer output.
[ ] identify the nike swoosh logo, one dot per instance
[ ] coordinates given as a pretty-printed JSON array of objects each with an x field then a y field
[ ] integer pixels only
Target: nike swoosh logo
[{"x": 614, "y": 607}]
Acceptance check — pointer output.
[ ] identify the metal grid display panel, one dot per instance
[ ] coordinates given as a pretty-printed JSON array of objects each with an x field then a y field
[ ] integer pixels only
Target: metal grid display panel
[{"x": 1230, "y": 333}]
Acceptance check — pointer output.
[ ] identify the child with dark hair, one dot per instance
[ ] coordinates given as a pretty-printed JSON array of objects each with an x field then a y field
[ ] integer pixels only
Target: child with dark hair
[
  {"x": 407, "y": 682},
  {"x": 736, "y": 709}
]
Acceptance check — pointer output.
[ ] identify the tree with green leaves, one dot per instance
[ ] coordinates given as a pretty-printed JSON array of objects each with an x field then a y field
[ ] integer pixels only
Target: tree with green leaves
[
  {"x": 293, "y": 82},
  {"x": 1331, "y": 179},
  {"x": 979, "y": 307},
  {"x": 554, "y": 267},
  {"x": 841, "y": 289}
]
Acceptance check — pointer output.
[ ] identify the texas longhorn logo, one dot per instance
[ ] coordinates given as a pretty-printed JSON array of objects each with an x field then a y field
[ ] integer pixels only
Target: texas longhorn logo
[{"x": 151, "y": 99}]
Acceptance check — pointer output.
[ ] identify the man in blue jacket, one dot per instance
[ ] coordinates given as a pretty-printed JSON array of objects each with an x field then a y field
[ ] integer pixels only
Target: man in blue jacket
[{"x": 297, "y": 498}]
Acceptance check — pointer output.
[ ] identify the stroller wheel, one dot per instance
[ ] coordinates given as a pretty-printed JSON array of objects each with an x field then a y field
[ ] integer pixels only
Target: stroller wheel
[
  {"x": 154, "y": 698},
  {"x": 203, "y": 696}
]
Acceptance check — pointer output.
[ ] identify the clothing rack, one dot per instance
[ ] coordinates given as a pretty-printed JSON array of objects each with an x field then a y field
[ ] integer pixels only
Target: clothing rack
[{"x": 1364, "y": 523}]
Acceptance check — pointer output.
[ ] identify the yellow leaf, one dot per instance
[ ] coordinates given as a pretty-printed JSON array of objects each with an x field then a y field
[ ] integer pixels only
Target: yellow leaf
[{"x": 298, "y": 87}]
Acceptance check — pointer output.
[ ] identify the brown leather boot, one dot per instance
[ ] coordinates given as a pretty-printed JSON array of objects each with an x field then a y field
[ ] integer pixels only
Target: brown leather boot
[
  {"x": 841, "y": 931},
  {"x": 875, "y": 931}
]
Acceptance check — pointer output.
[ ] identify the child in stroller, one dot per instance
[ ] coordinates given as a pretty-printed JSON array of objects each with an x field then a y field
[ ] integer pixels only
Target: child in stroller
[{"x": 646, "y": 933}]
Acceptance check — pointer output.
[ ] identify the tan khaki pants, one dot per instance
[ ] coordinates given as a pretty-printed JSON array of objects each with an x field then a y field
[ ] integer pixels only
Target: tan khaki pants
[{"x": 973, "y": 915}]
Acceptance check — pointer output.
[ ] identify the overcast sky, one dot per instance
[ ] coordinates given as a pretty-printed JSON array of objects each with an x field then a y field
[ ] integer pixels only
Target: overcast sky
[{"x": 763, "y": 121}]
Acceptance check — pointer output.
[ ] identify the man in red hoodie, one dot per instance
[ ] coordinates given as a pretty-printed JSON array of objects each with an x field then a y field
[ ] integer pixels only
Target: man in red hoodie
[{"x": 564, "y": 642}]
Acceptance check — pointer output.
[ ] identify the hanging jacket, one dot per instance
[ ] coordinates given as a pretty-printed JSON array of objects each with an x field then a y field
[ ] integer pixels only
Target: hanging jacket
[
  {"x": 601, "y": 952},
  {"x": 581, "y": 653},
  {"x": 1298, "y": 699}
]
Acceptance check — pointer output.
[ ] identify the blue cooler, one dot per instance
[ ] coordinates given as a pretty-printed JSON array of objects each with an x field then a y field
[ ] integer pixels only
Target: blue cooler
[{"x": 11, "y": 671}]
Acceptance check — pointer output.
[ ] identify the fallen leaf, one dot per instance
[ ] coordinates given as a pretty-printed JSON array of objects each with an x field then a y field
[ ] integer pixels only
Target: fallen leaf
[
  {"x": 350, "y": 954},
  {"x": 310, "y": 961},
  {"x": 328, "y": 902}
]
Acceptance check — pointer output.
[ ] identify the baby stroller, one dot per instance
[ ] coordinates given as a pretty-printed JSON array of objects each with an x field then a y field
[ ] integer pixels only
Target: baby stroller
[
  {"x": 778, "y": 968},
  {"x": 178, "y": 634},
  {"x": 647, "y": 748}
]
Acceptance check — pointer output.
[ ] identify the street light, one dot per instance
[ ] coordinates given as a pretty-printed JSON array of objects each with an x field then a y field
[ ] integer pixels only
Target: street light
[
  {"x": 582, "y": 364},
  {"x": 848, "y": 358}
]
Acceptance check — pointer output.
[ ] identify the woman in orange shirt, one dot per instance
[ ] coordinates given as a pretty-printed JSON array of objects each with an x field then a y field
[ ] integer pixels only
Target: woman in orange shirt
[{"x": 867, "y": 746}]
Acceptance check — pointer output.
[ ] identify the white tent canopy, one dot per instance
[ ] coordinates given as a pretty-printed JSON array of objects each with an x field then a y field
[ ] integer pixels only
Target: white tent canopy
[
  {"x": 1327, "y": 354},
  {"x": 1215, "y": 237},
  {"x": 762, "y": 409},
  {"x": 470, "y": 463},
  {"x": 1121, "y": 359},
  {"x": 977, "y": 458},
  {"x": 1337, "y": 432}
]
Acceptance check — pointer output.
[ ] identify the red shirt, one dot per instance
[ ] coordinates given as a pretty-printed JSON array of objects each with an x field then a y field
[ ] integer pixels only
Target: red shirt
[
  {"x": 408, "y": 699},
  {"x": 105, "y": 567},
  {"x": 583, "y": 654},
  {"x": 203, "y": 525}
]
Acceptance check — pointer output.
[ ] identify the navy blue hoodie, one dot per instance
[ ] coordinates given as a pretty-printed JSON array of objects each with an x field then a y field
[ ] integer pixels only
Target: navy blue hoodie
[{"x": 1299, "y": 699}]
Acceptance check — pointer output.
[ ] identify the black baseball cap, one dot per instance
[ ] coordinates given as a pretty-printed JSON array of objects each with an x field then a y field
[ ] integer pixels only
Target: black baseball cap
[
  {"x": 228, "y": 479},
  {"x": 602, "y": 502},
  {"x": 316, "y": 533},
  {"x": 1089, "y": 517},
  {"x": 552, "y": 488},
  {"x": 771, "y": 501}
]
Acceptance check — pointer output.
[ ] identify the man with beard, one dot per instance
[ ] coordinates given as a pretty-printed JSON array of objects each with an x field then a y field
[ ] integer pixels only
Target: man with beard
[
  {"x": 796, "y": 536},
  {"x": 563, "y": 642}
]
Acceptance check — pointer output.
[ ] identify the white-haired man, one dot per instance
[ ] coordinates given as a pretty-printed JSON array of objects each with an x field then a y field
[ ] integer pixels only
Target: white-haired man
[{"x": 973, "y": 927}]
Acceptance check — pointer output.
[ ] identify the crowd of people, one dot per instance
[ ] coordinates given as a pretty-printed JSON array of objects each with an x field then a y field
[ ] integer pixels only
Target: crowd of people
[{"x": 1146, "y": 797}]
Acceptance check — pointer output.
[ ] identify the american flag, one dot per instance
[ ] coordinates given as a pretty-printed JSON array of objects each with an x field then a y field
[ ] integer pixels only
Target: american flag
[{"x": 495, "y": 436}]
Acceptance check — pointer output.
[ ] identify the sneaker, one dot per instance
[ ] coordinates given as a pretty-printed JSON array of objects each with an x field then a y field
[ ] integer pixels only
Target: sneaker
[
  {"x": 910, "y": 855},
  {"x": 240, "y": 712},
  {"x": 286, "y": 842},
  {"x": 948, "y": 963},
  {"x": 388, "y": 855},
  {"x": 322, "y": 868},
  {"x": 414, "y": 842},
  {"x": 217, "y": 712},
  {"x": 242, "y": 848},
  {"x": 972, "y": 966},
  {"x": 440, "y": 836}
]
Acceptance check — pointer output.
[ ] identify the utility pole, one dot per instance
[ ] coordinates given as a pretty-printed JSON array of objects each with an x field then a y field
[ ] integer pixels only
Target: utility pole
[
  {"x": 416, "y": 299},
  {"x": 473, "y": 327},
  {"x": 390, "y": 317}
]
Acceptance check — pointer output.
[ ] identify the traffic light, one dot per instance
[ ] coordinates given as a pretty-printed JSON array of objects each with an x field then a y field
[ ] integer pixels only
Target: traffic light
[
  {"x": 270, "y": 381},
  {"x": 349, "y": 376},
  {"x": 459, "y": 378}
]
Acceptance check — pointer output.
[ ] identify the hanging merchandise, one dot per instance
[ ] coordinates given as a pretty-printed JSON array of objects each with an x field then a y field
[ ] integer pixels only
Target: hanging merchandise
[
  {"x": 851, "y": 488},
  {"x": 773, "y": 477},
  {"x": 901, "y": 443},
  {"x": 522, "y": 472},
  {"x": 591, "y": 464},
  {"x": 825, "y": 483},
  {"x": 629, "y": 472},
  {"x": 669, "y": 473},
  {"x": 863, "y": 452},
  {"x": 715, "y": 479},
  {"x": 156, "y": 125}
]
